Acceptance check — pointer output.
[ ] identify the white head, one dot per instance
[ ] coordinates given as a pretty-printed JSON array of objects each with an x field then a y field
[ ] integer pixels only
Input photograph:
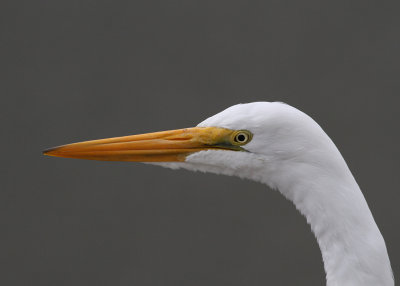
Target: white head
[{"x": 283, "y": 139}]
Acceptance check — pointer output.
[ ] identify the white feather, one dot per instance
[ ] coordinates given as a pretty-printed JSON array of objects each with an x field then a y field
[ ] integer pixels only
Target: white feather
[{"x": 290, "y": 152}]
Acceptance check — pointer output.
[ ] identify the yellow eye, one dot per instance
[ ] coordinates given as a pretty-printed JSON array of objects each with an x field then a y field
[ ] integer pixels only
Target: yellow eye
[{"x": 242, "y": 137}]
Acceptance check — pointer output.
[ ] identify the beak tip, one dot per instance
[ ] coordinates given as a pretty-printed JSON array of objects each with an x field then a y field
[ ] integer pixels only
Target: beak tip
[{"x": 48, "y": 152}]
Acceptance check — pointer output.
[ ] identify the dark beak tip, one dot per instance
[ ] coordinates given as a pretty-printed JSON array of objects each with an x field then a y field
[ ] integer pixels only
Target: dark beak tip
[{"x": 48, "y": 151}]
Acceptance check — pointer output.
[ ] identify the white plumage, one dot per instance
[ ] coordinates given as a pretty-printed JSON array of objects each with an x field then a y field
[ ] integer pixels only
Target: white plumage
[{"x": 289, "y": 152}]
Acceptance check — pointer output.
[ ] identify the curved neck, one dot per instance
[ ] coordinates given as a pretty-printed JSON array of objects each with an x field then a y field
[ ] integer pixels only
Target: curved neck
[
  {"x": 323, "y": 189},
  {"x": 353, "y": 249}
]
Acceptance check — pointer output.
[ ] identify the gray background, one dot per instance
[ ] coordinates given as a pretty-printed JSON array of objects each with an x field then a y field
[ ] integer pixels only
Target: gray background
[{"x": 78, "y": 70}]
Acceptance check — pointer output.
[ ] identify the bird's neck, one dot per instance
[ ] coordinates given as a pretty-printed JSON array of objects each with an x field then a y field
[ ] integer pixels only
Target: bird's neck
[{"x": 353, "y": 250}]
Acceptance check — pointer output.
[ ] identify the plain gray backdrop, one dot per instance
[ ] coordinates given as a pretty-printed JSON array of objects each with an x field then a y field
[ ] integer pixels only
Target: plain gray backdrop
[{"x": 79, "y": 70}]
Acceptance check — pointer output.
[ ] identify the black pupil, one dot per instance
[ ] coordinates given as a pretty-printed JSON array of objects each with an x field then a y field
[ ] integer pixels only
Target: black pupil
[{"x": 241, "y": 138}]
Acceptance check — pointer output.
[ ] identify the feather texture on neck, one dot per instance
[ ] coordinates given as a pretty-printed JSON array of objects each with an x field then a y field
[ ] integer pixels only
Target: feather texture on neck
[{"x": 290, "y": 152}]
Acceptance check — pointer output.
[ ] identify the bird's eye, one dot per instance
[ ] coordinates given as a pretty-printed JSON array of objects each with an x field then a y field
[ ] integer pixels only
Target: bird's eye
[{"x": 242, "y": 137}]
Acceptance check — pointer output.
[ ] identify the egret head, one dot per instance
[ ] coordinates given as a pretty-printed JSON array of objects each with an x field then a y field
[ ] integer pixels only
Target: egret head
[
  {"x": 237, "y": 141},
  {"x": 280, "y": 137}
]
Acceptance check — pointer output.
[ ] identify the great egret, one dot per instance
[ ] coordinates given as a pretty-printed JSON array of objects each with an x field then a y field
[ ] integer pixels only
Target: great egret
[{"x": 280, "y": 146}]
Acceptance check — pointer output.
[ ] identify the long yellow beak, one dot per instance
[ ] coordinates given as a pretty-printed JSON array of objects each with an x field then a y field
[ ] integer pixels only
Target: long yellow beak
[{"x": 164, "y": 146}]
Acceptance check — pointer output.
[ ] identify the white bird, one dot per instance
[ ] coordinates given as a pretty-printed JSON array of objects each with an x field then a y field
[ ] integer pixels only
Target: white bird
[{"x": 282, "y": 147}]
